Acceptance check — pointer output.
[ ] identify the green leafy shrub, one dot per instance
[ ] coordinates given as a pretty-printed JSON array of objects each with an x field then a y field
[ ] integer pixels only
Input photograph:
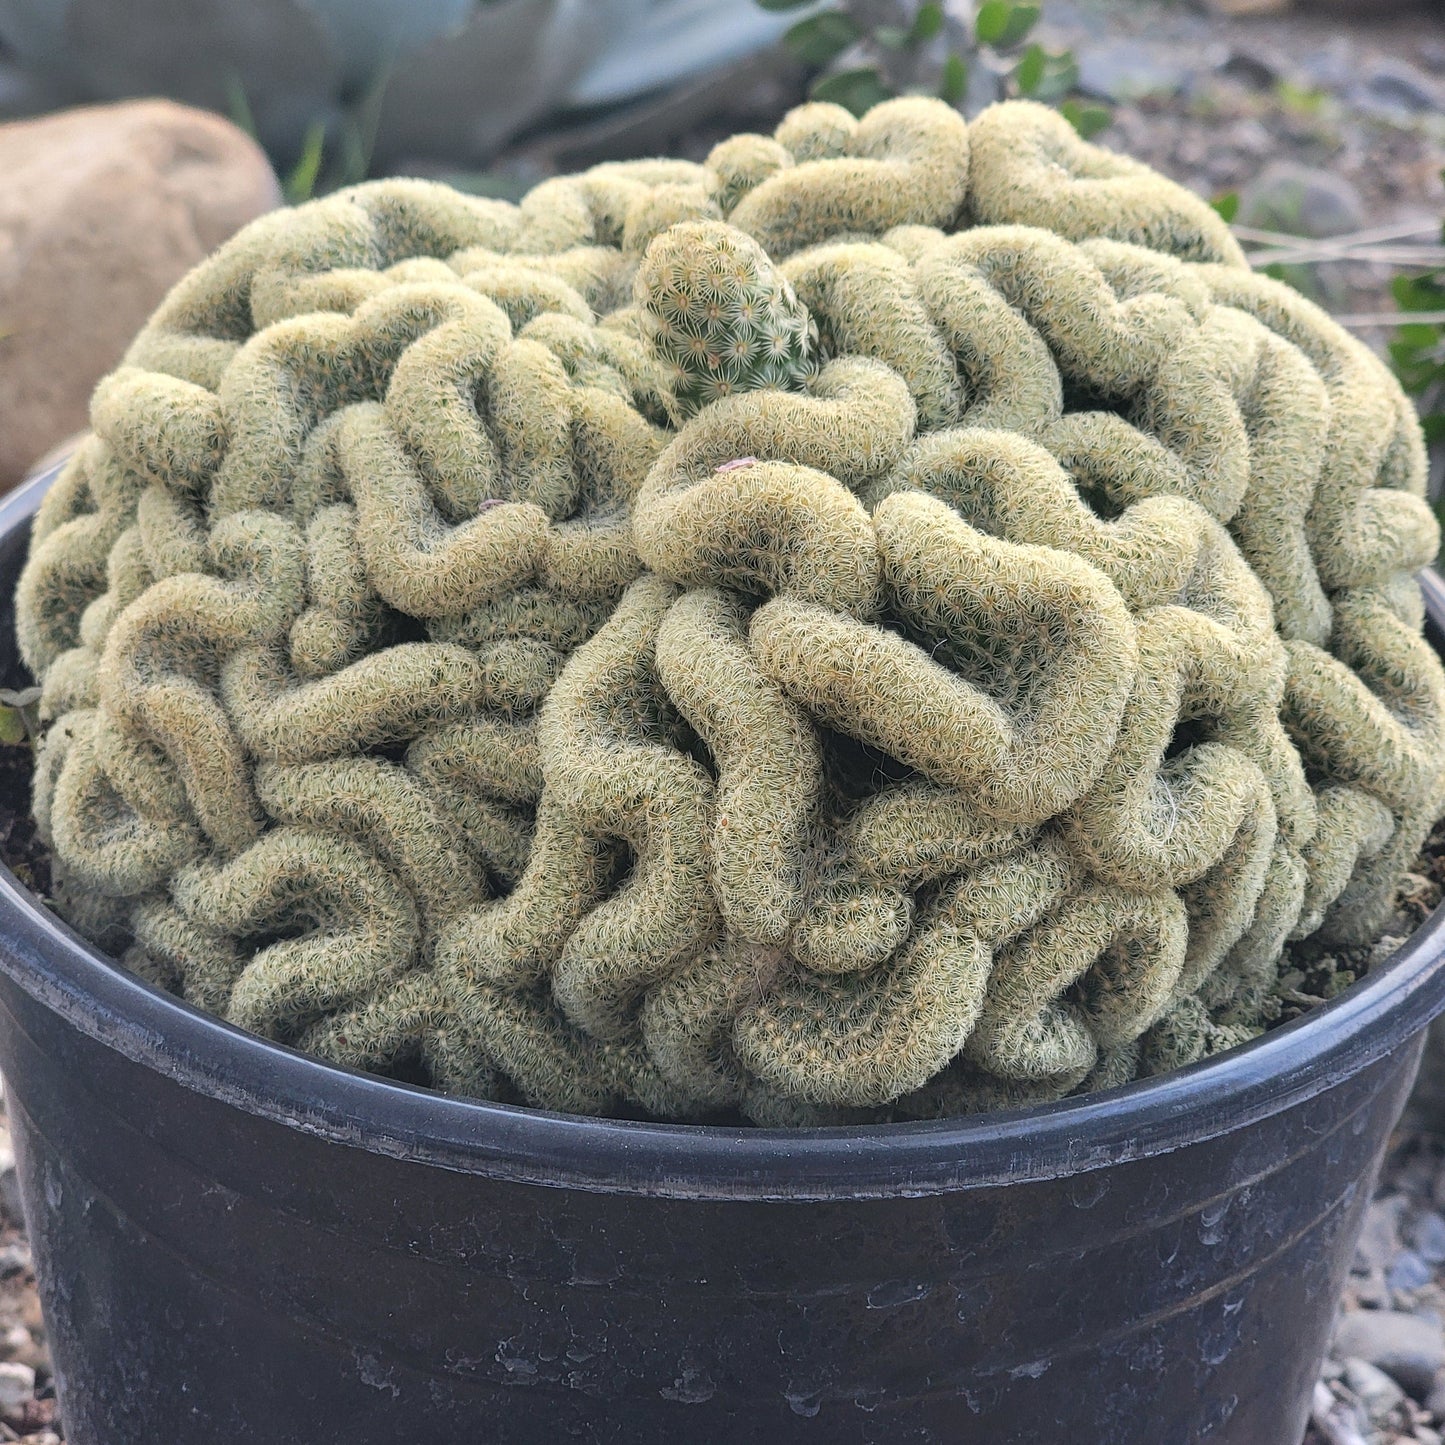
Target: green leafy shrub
[
  {"x": 872, "y": 50},
  {"x": 1418, "y": 348}
]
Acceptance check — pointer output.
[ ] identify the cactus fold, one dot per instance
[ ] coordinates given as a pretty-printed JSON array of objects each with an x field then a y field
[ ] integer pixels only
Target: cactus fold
[{"x": 894, "y": 620}]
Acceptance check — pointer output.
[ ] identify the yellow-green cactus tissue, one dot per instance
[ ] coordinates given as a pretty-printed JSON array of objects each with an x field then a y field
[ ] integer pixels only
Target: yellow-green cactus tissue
[{"x": 894, "y": 620}]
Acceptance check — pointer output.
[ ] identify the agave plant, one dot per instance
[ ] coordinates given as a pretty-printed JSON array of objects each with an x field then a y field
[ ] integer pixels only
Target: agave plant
[{"x": 451, "y": 79}]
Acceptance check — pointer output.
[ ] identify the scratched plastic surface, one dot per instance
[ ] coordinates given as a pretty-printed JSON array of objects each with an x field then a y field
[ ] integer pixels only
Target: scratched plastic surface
[{"x": 236, "y": 1243}]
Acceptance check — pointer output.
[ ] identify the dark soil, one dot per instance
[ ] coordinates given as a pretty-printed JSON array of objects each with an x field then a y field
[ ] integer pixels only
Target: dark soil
[{"x": 23, "y": 852}]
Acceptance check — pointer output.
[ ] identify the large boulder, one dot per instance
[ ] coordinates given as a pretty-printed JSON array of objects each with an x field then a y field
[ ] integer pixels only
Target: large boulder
[{"x": 102, "y": 210}]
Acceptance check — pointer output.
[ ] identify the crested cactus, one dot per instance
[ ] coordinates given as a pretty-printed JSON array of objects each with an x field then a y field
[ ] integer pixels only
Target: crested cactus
[{"x": 894, "y": 620}]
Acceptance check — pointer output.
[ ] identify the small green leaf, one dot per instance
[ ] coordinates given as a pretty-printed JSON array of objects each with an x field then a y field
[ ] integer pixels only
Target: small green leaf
[
  {"x": 300, "y": 185},
  {"x": 1294, "y": 276},
  {"x": 891, "y": 37},
  {"x": 1227, "y": 205},
  {"x": 927, "y": 23},
  {"x": 1045, "y": 76},
  {"x": 1417, "y": 336},
  {"x": 1404, "y": 290},
  {"x": 991, "y": 21},
  {"x": 856, "y": 90},
  {"x": 822, "y": 38},
  {"x": 953, "y": 83},
  {"x": 1061, "y": 75},
  {"x": 1021, "y": 20},
  {"x": 1029, "y": 72},
  {"x": 1088, "y": 120},
  {"x": 19, "y": 714},
  {"x": 239, "y": 106},
  {"x": 781, "y": 4},
  {"x": 1419, "y": 293}
]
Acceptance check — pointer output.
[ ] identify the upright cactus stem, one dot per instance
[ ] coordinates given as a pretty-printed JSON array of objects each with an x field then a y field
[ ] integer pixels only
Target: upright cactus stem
[
  {"x": 721, "y": 317},
  {"x": 895, "y": 620}
]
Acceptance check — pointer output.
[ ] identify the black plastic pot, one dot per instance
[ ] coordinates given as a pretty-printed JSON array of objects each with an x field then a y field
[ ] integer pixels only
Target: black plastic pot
[{"x": 236, "y": 1243}]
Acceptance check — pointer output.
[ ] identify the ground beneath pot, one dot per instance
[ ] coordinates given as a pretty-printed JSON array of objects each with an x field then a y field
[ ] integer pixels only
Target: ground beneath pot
[
  {"x": 1384, "y": 1383},
  {"x": 28, "y": 1409}
]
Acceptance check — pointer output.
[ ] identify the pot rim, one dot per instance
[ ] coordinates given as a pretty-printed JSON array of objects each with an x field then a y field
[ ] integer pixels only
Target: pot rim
[{"x": 200, "y": 1052}]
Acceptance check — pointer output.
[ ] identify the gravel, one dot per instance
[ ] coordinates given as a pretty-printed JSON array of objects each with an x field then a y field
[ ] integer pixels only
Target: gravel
[
  {"x": 1389, "y": 1326},
  {"x": 27, "y": 1390},
  {"x": 1408, "y": 1346}
]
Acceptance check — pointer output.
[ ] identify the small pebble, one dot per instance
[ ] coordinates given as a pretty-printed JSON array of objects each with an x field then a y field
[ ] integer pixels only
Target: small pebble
[
  {"x": 1406, "y": 1347},
  {"x": 1435, "y": 1400},
  {"x": 1409, "y": 1272},
  {"x": 1380, "y": 1236},
  {"x": 1397, "y": 84},
  {"x": 1428, "y": 1237},
  {"x": 17, "y": 1386},
  {"x": 1370, "y": 1292},
  {"x": 1377, "y": 1393},
  {"x": 10, "y": 1206}
]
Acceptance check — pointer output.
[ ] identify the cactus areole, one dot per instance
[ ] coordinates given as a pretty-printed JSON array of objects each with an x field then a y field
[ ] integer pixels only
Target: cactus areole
[{"x": 895, "y": 620}]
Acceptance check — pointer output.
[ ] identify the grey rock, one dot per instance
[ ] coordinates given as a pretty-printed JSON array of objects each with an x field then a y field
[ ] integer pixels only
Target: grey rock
[
  {"x": 1406, "y": 1347},
  {"x": 17, "y": 1385},
  {"x": 1396, "y": 85},
  {"x": 1301, "y": 201},
  {"x": 1333, "y": 67},
  {"x": 1126, "y": 69},
  {"x": 1250, "y": 138},
  {"x": 1386, "y": 944},
  {"x": 14, "y": 1259},
  {"x": 1340, "y": 1420},
  {"x": 1251, "y": 67},
  {"x": 1427, "y": 1234},
  {"x": 1435, "y": 1400},
  {"x": 1371, "y": 1292},
  {"x": 1377, "y": 1393},
  {"x": 10, "y": 1209},
  {"x": 1380, "y": 1237},
  {"x": 1409, "y": 1272}
]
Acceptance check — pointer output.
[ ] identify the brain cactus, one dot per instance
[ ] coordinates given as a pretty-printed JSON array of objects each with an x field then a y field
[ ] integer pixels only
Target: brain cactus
[{"x": 892, "y": 620}]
